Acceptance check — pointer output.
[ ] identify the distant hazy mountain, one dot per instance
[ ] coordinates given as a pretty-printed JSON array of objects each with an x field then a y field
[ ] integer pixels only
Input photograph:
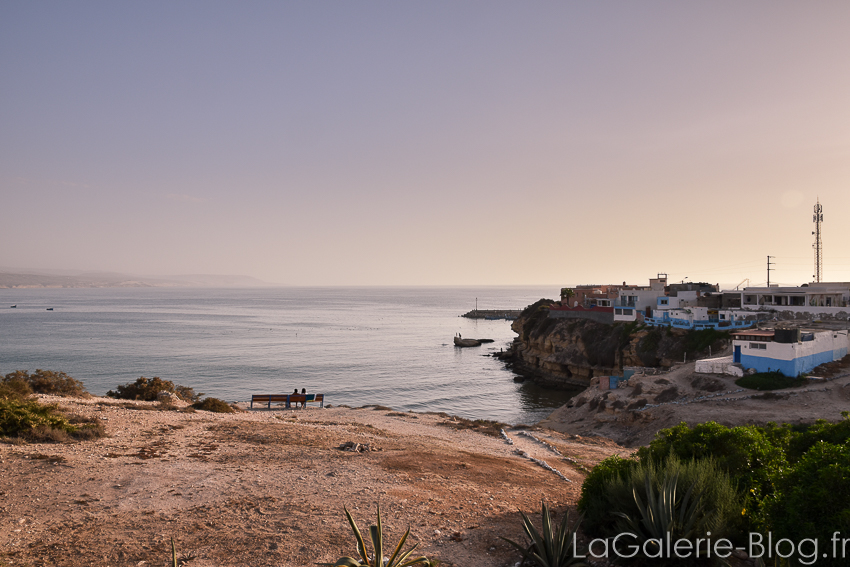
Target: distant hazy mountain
[{"x": 13, "y": 279}]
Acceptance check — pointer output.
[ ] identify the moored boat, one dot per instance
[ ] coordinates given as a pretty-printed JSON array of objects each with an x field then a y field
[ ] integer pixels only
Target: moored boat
[{"x": 466, "y": 342}]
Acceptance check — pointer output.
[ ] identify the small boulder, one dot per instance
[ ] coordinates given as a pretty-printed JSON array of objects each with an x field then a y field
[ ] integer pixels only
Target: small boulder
[{"x": 166, "y": 397}]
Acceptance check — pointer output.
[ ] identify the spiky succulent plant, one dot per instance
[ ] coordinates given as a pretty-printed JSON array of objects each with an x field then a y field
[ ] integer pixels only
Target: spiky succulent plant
[
  {"x": 376, "y": 533},
  {"x": 552, "y": 546}
]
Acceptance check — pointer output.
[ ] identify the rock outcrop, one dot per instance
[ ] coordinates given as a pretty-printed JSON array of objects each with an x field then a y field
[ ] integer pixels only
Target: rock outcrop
[{"x": 567, "y": 353}]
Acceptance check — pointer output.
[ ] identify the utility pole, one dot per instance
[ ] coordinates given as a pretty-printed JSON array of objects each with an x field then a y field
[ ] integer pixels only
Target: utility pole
[
  {"x": 769, "y": 264},
  {"x": 817, "y": 219}
]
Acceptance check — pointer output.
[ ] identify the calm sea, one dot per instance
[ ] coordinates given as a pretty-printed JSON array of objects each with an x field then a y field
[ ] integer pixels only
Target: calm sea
[{"x": 366, "y": 345}]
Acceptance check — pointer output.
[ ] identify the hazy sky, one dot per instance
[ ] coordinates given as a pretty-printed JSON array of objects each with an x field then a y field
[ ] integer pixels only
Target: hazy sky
[{"x": 429, "y": 142}]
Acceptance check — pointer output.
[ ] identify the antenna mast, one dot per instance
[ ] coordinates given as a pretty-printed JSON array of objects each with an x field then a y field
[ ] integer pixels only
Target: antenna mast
[{"x": 817, "y": 219}]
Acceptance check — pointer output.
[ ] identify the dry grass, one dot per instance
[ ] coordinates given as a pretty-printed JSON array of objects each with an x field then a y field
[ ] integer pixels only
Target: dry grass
[{"x": 485, "y": 426}]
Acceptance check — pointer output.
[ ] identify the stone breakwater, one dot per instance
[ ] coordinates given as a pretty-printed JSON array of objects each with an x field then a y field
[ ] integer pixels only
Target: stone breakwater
[{"x": 492, "y": 314}]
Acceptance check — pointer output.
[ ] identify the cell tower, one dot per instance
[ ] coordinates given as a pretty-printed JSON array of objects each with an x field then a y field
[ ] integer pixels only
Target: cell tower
[{"x": 818, "y": 218}]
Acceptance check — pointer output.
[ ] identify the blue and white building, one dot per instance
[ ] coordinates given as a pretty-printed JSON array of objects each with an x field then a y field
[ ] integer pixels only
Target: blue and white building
[
  {"x": 682, "y": 312},
  {"x": 792, "y": 354}
]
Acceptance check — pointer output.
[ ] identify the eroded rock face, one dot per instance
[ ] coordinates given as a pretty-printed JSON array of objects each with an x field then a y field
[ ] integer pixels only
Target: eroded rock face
[{"x": 567, "y": 353}]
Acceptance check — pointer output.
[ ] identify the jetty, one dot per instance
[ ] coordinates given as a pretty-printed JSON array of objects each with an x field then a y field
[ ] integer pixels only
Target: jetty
[{"x": 509, "y": 314}]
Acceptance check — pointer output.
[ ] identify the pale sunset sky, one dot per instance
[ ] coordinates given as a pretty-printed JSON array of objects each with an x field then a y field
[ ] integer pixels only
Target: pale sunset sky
[{"x": 419, "y": 143}]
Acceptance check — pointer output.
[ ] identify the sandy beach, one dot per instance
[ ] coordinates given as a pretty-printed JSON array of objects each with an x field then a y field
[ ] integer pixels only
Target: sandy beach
[{"x": 268, "y": 487}]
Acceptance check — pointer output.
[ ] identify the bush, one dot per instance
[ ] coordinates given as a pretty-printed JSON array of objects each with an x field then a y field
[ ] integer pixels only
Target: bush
[
  {"x": 806, "y": 437},
  {"x": 19, "y": 417},
  {"x": 214, "y": 405},
  {"x": 33, "y": 421},
  {"x": 752, "y": 456},
  {"x": 14, "y": 389},
  {"x": 46, "y": 382},
  {"x": 773, "y": 380},
  {"x": 813, "y": 499},
  {"x": 694, "y": 495},
  {"x": 147, "y": 390},
  {"x": 688, "y": 498},
  {"x": 593, "y": 503},
  {"x": 791, "y": 476},
  {"x": 716, "y": 503}
]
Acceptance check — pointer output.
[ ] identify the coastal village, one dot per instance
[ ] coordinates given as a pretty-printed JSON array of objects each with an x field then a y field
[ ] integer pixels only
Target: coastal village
[{"x": 789, "y": 329}]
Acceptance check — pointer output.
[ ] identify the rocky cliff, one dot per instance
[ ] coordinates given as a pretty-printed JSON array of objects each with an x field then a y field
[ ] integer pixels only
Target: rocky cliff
[{"x": 567, "y": 353}]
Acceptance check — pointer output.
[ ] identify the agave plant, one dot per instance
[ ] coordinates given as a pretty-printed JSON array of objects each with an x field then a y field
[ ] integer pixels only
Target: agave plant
[
  {"x": 376, "y": 533},
  {"x": 553, "y": 545},
  {"x": 665, "y": 513}
]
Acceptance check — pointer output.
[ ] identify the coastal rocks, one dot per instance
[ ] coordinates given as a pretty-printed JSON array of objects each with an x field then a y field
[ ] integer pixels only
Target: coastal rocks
[
  {"x": 356, "y": 447},
  {"x": 568, "y": 353},
  {"x": 167, "y": 397}
]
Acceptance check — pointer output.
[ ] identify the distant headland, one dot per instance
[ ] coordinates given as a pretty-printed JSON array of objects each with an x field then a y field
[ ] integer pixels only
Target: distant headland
[{"x": 10, "y": 279}]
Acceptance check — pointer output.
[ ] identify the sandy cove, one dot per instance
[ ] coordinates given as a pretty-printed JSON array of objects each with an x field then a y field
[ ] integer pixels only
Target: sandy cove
[{"x": 268, "y": 487}]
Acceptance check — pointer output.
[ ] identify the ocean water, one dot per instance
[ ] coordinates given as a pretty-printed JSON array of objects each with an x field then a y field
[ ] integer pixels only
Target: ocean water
[{"x": 366, "y": 345}]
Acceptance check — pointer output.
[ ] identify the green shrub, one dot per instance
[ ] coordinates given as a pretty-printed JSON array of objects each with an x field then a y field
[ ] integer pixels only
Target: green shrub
[
  {"x": 806, "y": 437},
  {"x": 718, "y": 502},
  {"x": 33, "y": 421},
  {"x": 752, "y": 456},
  {"x": 775, "y": 467},
  {"x": 145, "y": 389},
  {"x": 46, "y": 382},
  {"x": 627, "y": 495},
  {"x": 813, "y": 500},
  {"x": 593, "y": 503},
  {"x": 773, "y": 380},
  {"x": 214, "y": 405},
  {"x": 685, "y": 498},
  {"x": 14, "y": 388},
  {"x": 19, "y": 417}
]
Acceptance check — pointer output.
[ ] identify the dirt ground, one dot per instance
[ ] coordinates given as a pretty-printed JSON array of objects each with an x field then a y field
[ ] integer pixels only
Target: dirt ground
[
  {"x": 633, "y": 413},
  {"x": 268, "y": 487}
]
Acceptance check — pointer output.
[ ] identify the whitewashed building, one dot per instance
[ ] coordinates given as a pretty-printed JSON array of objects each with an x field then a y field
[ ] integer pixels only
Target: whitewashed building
[{"x": 790, "y": 351}]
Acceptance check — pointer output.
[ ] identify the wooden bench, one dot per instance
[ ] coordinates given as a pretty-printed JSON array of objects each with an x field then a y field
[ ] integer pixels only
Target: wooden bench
[{"x": 288, "y": 399}]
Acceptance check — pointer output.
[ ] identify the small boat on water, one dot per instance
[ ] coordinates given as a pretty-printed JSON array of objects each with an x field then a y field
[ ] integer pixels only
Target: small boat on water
[
  {"x": 466, "y": 342},
  {"x": 461, "y": 342}
]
